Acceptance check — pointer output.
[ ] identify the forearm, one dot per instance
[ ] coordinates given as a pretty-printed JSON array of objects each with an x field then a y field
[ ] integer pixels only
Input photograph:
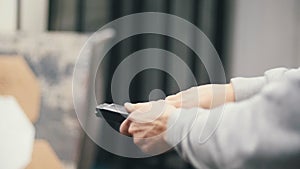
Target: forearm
[
  {"x": 213, "y": 95},
  {"x": 230, "y": 95},
  {"x": 205, "y": 96},
  {"x": 220, "y": 94}
]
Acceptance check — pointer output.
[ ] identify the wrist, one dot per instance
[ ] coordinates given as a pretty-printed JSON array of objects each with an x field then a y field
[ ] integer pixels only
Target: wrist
[{"x": 230, "y": 97}]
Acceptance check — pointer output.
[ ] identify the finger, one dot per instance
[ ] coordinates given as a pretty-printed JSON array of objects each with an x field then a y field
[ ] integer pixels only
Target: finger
[
  {"x": 135, "y": 129},
  {"x": 173, "y": 97},
  {"x": 133, "y": 107},
  {"x": 124, "y": 127},
  {"x": 148, "y": 111},
  {"x": 139, "y": 117}
]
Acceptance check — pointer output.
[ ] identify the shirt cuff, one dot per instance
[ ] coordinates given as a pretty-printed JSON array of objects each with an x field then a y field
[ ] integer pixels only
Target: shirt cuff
[{"x": 244, "y": 88}]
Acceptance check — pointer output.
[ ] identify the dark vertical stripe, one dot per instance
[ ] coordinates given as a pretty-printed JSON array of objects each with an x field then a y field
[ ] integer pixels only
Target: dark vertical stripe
[
  {"x": 221, "y": 21},
  {"x": 219, "y": 27},
  {"x": 50, "y": 13},
  {"x": 168, "y": 4},
  {"x": 80, "y": 15},
  {"x": 18, "y": 20},
  {"x": 138, "y": 44},
  {"x": 195, "y": 21},
  {"x": 115, "y": 8}
]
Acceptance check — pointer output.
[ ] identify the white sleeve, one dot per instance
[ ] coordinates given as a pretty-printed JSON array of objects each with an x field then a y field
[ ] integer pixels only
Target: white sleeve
[
  {"x": 261, "y": 132},
  {"x": 245, "y": 88}
]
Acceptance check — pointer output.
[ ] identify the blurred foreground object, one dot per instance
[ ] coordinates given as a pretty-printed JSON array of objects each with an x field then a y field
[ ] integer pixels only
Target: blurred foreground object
[
  {"x": 18, "y": 148},
  {"x": 17, "y": 135},
  {"x": 17, "y": 79},
  {"x": 43, "y": 157}
]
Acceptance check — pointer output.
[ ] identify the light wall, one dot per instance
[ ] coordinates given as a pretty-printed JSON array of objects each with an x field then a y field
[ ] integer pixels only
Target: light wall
[
  {"x": 265, "y": 35},
  {"x": 33, "y": 15},
  {"x": 8, "y": 15}
]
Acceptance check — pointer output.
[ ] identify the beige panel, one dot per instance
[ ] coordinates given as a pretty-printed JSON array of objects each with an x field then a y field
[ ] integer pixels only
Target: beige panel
[
  {"x": 8, "y": 15},
  {"x": 43, "y": 157},
  {"x": 17, "y": 79}
]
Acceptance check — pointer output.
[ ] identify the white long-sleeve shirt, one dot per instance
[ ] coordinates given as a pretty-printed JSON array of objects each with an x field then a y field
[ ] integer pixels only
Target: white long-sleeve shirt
[{"x": 260, "y": 130}]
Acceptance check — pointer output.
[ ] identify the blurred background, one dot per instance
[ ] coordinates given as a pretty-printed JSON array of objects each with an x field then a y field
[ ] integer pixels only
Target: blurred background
[{"x": 250, "y": 37}]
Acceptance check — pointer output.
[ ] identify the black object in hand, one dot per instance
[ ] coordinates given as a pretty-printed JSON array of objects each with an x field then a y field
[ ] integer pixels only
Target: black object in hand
[{"x": 112, "y": 112}]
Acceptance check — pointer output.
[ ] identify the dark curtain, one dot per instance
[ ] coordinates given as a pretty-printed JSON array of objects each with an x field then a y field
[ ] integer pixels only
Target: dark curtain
[{"x": 210, "y": 16}]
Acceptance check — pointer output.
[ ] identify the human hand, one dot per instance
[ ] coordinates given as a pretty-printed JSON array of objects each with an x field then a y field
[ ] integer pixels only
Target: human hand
[
  {"x": 147, "y": 124},
  {"x": 205, "y": 96}
]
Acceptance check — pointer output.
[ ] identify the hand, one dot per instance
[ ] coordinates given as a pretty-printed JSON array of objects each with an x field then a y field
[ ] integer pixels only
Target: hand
[
  {"x": 147, "y": 124},
  {"x": 206, "y": 96}
]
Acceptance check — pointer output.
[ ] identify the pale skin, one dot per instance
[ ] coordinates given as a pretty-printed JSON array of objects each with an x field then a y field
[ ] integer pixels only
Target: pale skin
[{"x": 157, "y": 113}]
